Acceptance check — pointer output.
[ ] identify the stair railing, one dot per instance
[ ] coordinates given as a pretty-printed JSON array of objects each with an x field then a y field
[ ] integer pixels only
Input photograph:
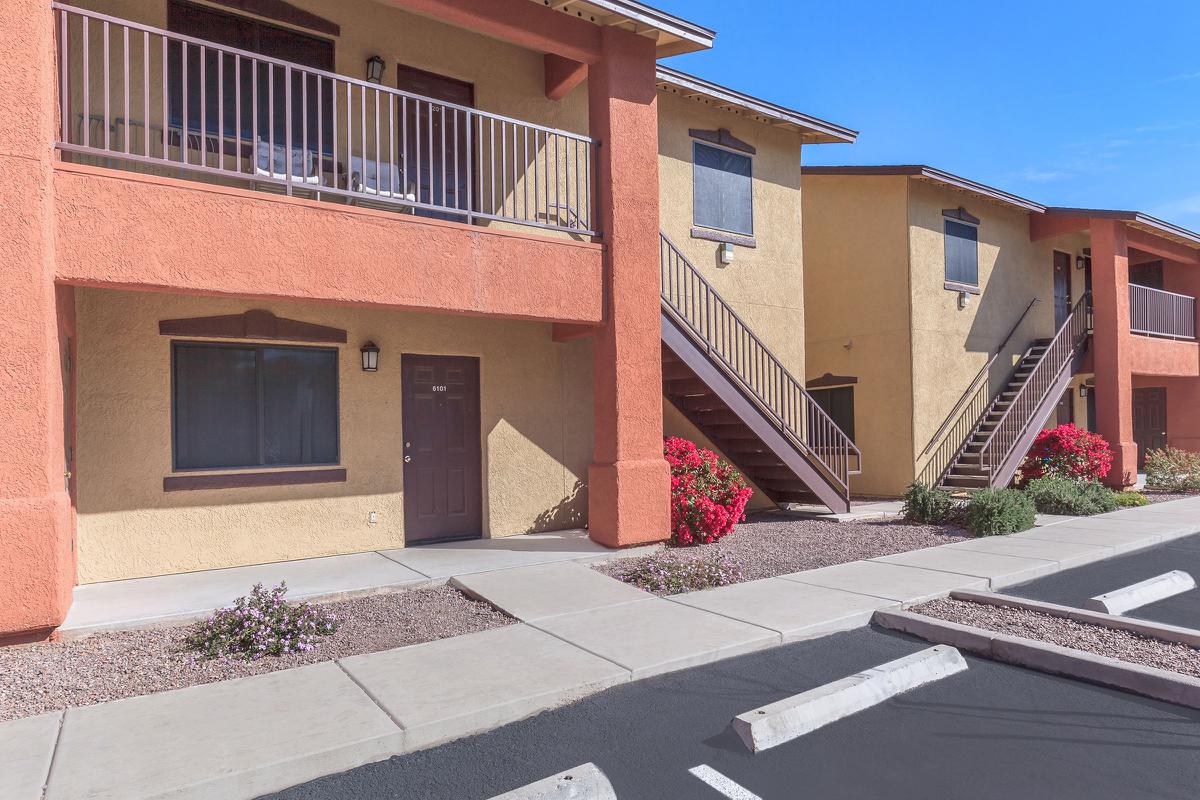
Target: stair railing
[
  {"x": 693, "y": 302},
  {"x": 960, "y": 424},
  {"x": 1019, "y": 414}
]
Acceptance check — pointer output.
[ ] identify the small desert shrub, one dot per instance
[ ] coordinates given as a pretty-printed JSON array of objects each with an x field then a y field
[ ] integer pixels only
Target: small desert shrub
[
  {"x": 672, "y": 573},
  {"x": 995, "y": 512},
  {"x": 1173, "y": 470},
  {"x": 1076, "y": 498},
  {"x": 261, "y": 624},
  {"x": 930, "y": 505},
  {"x": 708, "y": 496},
  {"x": 1130, "y": 499},
  {"x": 1067, "y": 452}
]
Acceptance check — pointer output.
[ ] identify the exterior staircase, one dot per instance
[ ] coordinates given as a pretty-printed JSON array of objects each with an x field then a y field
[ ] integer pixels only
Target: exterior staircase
[
  {"x": 730, "y": 386},
  {"x": 997, "y": 444}
]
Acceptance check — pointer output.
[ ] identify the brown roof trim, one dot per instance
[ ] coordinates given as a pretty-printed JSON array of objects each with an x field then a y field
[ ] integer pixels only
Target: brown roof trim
[
  {"x": 674, "y": 35},
  {"x": 819, "y": 131},
  {"x": 935, "y": 175},
  {"x": 1167, "y": 228}
]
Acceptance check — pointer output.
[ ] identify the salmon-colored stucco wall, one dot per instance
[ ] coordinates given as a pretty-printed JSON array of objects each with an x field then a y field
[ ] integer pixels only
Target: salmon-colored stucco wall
[{"x": 535, "y": 398}]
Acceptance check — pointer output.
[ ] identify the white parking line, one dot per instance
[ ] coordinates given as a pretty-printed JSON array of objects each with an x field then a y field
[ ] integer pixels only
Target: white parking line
[{"x": 724, "y": 785}]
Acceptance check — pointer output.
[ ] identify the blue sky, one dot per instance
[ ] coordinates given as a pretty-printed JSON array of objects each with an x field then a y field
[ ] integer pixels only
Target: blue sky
[{"x": 1068, "y": 103}]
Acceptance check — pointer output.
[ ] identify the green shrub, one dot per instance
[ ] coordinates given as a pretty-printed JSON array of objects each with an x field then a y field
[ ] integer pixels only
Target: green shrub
[
  {"x": 1064, "y": 496},
  {"x": 995, "y": 512},
  {"x": 1173, "y": 470},
  {"x": 1130, "y": 499},
  {"x": 929, "y": 505}
]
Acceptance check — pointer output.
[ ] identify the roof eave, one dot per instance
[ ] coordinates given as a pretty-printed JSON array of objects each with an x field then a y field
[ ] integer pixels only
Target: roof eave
[{"x": 933, "y": 174}]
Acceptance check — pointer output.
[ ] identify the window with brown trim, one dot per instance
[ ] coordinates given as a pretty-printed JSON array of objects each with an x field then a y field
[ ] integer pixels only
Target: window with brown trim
[
  {"x": 961, "y": 232},
  {"x": 253, "y": 406},
  {"x": 722, "y": 189}
]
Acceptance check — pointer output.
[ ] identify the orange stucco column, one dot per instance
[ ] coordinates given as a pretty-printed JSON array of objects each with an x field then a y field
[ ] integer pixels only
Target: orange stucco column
[
  {"x": 1111, "y": 343},
  {"x": 629, "y": 482},
  {"x": 37, "y": 569}
]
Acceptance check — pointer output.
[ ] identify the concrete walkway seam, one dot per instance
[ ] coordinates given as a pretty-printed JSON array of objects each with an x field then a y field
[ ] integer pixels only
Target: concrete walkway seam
[
  {"x": 782, "y": 721},
  {"x": 585, "y": 782},
  {"x": 1142, "y": 593},
  {"x": 1152, "y": 630},
  {"x": 1150, "y": 682},
  {"x": 370, "y": 696}
]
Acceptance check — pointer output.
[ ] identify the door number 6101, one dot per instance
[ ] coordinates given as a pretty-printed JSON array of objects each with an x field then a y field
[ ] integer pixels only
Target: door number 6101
[{"x": 439, "y": 388}]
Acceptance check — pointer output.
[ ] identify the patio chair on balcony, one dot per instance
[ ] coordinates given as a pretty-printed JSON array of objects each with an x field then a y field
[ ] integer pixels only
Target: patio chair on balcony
[
  {"x": 379, "y": 185},
  {"x": 272, "y": 162}
]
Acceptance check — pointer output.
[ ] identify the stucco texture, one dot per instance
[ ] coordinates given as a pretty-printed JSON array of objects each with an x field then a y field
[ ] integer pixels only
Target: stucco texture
[
  {"x": 536, "y": 430},
  {"x": 764, "y": 284}
]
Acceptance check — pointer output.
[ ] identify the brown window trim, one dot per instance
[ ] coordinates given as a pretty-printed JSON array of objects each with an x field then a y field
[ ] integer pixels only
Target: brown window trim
[
  {"x": 829, "y": 381},
  {"x": 284, "y": 12},
  {"x": 954, "y": 286},
  {"x": 722, "y": 137},
  {"x": 184, "y": 483},
  {"x": 713, "y": 235},
  {"x": 254, "y": 324}
]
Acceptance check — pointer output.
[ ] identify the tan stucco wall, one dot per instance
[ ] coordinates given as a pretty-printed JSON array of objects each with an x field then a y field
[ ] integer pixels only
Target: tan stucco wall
[
  {"x": 536, "y": 439},
  {"x": 764, "y": 284},
  {"x": 857, "y": 316}
]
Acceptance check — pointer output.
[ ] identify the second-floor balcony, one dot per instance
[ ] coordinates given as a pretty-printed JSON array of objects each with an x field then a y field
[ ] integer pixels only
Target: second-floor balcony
[
  {"x": 1154, "y": 312},
  {"x": 138, "y": 97}
]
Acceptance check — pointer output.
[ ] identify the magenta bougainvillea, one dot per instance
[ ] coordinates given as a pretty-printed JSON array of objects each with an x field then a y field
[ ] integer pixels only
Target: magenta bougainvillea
[
  {"x": 1067, "y": 452},
  {"x": 708, "y": 496}
]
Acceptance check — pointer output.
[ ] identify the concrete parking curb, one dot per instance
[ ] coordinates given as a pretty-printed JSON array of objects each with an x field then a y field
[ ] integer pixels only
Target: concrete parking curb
[
  {"x": 585, "y": 782},
  {"x": 1142, "y": 593},
  {"x": 1145, "y": 627},
  {"x": 1147, "y": 681},
  {"x": 774, "y": 724}
]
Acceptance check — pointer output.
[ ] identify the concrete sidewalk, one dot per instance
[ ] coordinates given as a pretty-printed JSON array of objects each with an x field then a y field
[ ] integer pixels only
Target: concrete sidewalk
[{"x": 580, "y": 632}]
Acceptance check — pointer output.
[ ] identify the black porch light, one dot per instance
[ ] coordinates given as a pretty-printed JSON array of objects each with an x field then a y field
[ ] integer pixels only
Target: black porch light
[
  {"x": 370, "y": 357},
  {"x": 375, "y": 66}
]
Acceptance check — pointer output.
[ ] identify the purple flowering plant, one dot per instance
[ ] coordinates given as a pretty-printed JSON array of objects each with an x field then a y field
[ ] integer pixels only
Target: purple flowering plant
[
  {"x": 673, "y": 573},
  {"x": 261, "y": 624}
]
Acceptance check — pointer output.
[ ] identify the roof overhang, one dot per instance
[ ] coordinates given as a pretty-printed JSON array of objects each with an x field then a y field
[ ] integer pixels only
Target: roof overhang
[
  {"x": 811, "y": 129},
  {"x": 672, "y": 35},
  {"x": 938, "y": 178},
  {"x": 1137, "y": 220}
]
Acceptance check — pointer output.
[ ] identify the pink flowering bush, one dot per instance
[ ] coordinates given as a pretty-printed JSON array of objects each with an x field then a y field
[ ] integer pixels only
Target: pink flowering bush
[
  {"x": 1067, "y": 452},
  {"x": 708, "y": 496},
  {"x": 672, "y": 572},
  {"x": 261, "y": 624}
]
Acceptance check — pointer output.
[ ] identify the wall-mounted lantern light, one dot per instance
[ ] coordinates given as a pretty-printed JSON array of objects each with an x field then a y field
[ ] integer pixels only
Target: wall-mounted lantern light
[
  {"x": 725, "y": 251},
  {"x": 964, "y": 300},
  {"x": 1083, "y": 390},
  {"x": 375, "y": 66},
  {"x": 370, "y": 357},
  {"x": 1080, "y": 262}
]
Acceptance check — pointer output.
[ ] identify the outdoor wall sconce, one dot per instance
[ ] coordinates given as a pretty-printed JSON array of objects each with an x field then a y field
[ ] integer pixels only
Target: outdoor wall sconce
[
  {"x": 1083, "y": 390},
  {"x": 725, "y": 251},
  {"x": 964, "y": 300},
  {"x": 1080, "y": 262},
  {"x": 370, "y": 357},
  {"x": 375, "y": 67}
]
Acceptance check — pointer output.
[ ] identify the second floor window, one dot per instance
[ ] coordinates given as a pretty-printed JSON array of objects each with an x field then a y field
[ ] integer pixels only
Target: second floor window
[
  {"x": 722, "y": 190},
  {"x": 962, "y": 247}
]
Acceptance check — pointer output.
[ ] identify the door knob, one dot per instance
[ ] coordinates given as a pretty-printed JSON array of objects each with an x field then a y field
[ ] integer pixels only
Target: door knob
[{"x": 407, "y": 459}]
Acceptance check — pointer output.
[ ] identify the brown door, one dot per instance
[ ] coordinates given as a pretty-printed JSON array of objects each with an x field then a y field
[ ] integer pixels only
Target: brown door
[
  {"x": 443, "y": 491},
  {"x": 1065, "y": 410},
  {"x": 1062, "y": 288},
  {"x": 435, "y": 139},
  {"x": 1149, "y": 420}
]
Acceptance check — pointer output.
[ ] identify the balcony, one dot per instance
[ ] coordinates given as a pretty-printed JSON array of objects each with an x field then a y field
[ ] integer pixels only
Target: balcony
[
  {"x": 140, "y": 98},
  {"x": 1153, "y": 312}
]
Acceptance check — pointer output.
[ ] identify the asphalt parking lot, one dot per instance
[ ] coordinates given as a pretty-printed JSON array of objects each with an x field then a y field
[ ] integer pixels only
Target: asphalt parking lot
[
  {"x": 1072, "y": 587},
  {"x": 994, "y": 731}
]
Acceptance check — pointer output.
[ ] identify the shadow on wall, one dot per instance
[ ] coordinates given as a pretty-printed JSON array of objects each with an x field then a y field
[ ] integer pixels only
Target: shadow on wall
[{"x": 570, "y": 512}]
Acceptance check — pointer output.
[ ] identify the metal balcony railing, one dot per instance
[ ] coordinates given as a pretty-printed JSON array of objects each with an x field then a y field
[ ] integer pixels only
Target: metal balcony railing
[
  {"x": 1153, "y": 312},
  {"x": 143, "y": 98}
]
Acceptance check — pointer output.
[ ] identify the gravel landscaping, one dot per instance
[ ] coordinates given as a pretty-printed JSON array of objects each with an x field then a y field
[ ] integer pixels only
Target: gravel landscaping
[
  {"x": 776, "y": 543},
  {"x": 1123, "y": 645},
  {"x": 1165, "y": 497},
  {"x": 108, "y": 666}
]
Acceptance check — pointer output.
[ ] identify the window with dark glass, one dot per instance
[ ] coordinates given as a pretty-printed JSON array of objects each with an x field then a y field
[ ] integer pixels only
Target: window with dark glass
[
  {"x": 962, "y": 252},
  {"x": 722, "y": 190},
  {"x": 838, "y": 403},
  {"x": 234, "y": 84},
  {"x": 252, "y": 406}
]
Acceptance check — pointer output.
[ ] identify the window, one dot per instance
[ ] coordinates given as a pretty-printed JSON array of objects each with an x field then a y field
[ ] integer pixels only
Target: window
[
  {"x": 838, "y": 403},
  {"x": 962, "y": 247},
  {"x": 246, "y": 406},
  {"x": 722, "y": 190}
]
